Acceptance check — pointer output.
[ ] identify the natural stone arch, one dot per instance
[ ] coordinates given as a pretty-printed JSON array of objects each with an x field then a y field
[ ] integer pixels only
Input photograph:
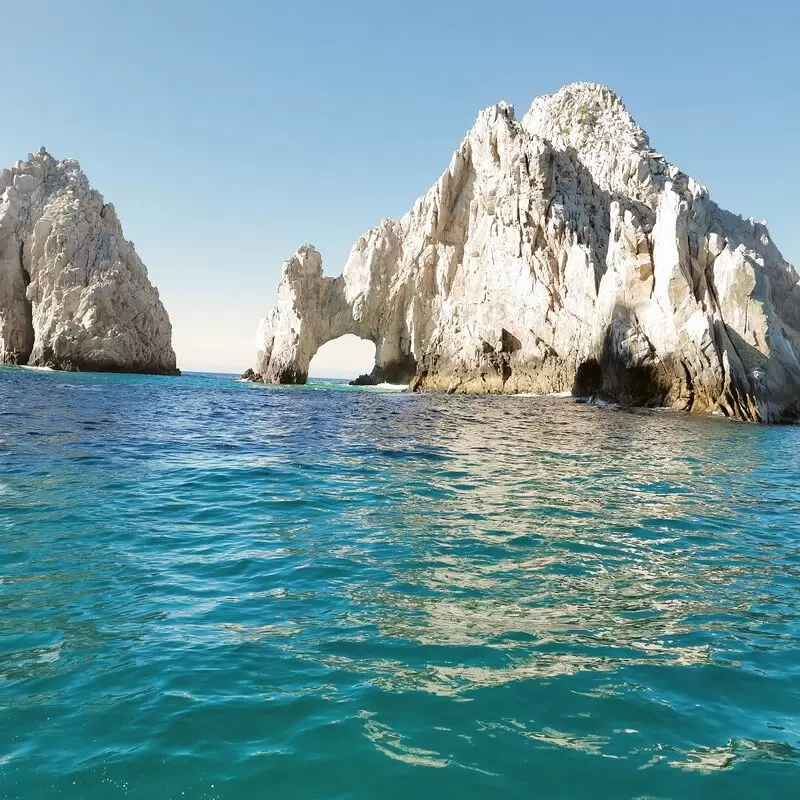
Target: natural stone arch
[
  {"x": 561, "y": 252},
  {"x": 314, "y": 309}
]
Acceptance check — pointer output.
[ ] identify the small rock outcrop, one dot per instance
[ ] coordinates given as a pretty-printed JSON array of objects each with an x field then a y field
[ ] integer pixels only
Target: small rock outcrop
[
  {"x": 73, "y": 293},
  {"x": 559, "y": 253}
]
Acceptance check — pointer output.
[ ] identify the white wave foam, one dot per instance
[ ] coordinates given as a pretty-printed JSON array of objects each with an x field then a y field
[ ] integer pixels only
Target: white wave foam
[
  {"x": 391, "y": 387},
  {"x": 539, "y": 394}
]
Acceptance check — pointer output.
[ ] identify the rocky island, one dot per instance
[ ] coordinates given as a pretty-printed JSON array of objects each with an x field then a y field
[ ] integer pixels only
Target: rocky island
[
  {"x": 73, "y": 293},
  {"x": 558, "y": 253}
]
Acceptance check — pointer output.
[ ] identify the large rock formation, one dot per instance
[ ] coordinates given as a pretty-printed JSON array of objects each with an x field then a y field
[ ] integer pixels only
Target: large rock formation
[
  {"x": 73, "y": 293},
  {"x": 559, "y": 253}
]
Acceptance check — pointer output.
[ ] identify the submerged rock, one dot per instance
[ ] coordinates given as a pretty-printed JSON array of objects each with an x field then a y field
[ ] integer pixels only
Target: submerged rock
[
  {"x": 560, "y": 253},
  {"x": 73, "y": 293},
  {"x": 366, "y": 379}
]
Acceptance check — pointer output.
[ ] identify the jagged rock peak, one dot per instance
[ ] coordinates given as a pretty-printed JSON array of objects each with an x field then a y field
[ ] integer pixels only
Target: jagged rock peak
[
  {"x": 584, "y": 112},
  {"x": 73, "y": 292},
  {"x": 559, "y": 253}
]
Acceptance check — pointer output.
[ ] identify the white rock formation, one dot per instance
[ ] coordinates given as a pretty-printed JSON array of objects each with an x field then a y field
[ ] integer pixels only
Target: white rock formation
[
  {"x": 559, "y": 253},
  {"x": 73, "y": 292}
]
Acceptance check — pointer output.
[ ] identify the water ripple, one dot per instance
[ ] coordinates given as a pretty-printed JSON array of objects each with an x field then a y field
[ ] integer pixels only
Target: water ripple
[{"x": 208, "y": 588}]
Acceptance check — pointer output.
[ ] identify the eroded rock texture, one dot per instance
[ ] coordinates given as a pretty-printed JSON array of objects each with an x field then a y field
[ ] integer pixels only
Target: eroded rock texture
[
  {"x": 559, "y": 253},
  {"x": 73, "y": 292}
]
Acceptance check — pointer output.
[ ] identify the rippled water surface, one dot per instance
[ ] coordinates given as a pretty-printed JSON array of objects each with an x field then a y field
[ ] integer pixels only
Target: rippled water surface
[{"x": 210, "y": 589}]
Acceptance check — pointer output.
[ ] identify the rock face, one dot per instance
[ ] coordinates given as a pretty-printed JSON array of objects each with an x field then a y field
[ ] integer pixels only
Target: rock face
[
  {"x": 559, "y": 253},
  {"x": 73, "y": 293}
]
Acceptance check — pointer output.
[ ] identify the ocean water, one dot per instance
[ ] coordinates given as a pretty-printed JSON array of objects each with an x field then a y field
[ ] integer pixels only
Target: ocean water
[{"x": 210, "y": 589}]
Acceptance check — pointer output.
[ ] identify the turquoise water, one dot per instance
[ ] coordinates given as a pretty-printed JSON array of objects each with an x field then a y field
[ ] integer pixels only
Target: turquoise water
[{"x": 210, "y": 589}]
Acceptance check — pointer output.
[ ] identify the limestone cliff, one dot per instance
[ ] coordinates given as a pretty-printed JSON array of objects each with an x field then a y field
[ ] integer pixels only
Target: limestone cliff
[
  {"x": 559, "y": 253},
  {"x": 73, "y": 292}
]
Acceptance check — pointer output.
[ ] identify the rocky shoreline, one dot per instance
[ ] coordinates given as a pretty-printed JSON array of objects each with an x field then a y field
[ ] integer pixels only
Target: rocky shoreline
[{"x": 559, "y": 253}]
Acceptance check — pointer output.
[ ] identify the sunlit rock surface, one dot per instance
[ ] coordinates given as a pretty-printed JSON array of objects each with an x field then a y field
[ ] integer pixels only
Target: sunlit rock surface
[
  {"x": 559, "y": 253},
  {"x": 73, "y": 293}
]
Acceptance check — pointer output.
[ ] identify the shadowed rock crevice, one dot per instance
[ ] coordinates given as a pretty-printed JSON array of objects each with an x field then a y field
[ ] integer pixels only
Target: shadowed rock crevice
[
  {"x": 588, "y": 379},
  {"x": 560, "y": 253},
  {"x": 16, "y": 319},
  {"x": 401, "y": 370}
]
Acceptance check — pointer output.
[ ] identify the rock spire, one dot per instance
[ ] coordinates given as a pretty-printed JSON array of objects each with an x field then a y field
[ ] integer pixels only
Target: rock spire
[{"x": 73, "y": 293}]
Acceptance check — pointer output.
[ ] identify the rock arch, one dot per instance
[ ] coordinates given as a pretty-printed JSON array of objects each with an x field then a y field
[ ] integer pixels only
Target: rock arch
[
  {"x": 557, "y": 253},
  {"x": 314, "y": 309}
]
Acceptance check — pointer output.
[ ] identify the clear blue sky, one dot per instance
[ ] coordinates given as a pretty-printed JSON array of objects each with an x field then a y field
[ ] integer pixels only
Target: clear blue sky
[{"x": 228, "y": 133}]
